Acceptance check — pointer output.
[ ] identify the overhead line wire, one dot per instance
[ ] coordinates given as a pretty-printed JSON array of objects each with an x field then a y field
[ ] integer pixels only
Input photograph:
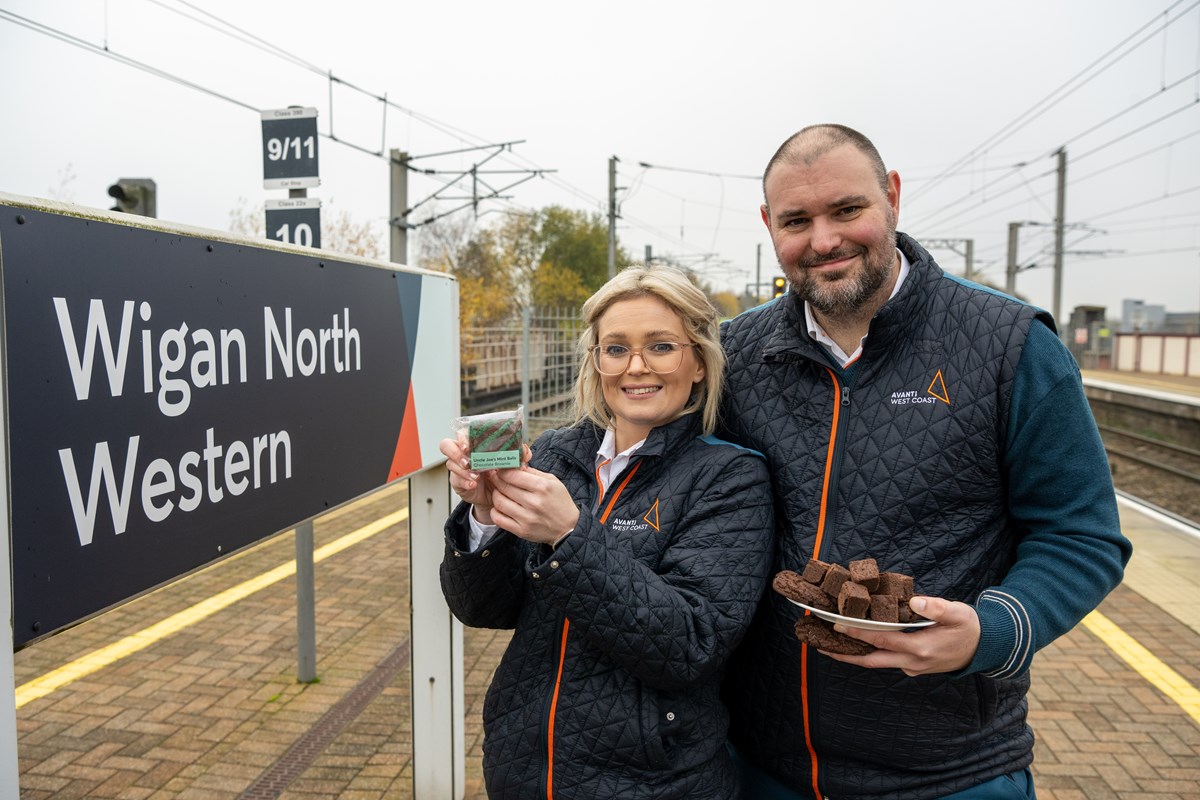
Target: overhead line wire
[
  {"x": 83, "y": 44},
  {"x": 1020, "y": 121},
  {"x": 1076, "y": 159}
]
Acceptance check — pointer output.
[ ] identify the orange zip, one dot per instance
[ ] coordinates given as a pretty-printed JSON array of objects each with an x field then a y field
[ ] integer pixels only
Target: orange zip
[
  {"x": 812, "y": 754},
  {"x": 562, "y": 653},
  {"x": 612, "y": 502},
  {"x": 562, "y": 658}
]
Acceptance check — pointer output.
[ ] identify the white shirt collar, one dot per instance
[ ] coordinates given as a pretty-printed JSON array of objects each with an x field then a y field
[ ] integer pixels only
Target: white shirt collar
[
  {"x": 817, "y": 332},
  {"x": 609, "y": 462}
]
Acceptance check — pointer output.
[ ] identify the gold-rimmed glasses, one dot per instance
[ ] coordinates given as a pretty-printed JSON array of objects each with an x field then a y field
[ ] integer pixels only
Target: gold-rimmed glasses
[{"x": 661, "y": 358}]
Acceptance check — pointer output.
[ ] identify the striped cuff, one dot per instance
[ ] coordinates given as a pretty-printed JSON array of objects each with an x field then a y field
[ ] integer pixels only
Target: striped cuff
[{"x": 1005, "y": 636}]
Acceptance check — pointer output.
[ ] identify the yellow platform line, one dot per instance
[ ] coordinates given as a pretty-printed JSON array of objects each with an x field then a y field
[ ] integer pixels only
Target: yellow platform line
[
  {"x": 1165, "y": 679},
  {"x": 107, "y": 655}
]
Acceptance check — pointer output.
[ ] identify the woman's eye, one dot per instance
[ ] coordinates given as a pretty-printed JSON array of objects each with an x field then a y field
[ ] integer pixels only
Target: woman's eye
[
  {"x": 614, "y": 350},
  {"x": 662, "y": 348}
]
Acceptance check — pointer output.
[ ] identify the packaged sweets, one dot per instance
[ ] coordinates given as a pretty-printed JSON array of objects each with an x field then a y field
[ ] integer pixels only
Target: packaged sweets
[{"x": 493, "y": 440}]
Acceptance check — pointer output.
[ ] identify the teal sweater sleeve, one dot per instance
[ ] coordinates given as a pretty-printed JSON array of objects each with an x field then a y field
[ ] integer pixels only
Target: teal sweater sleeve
[{"x": 1070, "y": 549}]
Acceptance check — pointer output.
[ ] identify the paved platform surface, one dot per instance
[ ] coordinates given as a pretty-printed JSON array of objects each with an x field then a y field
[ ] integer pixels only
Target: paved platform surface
[
  {"x": 1180, "y": 384},
  {"x": 211, "y": 709}
]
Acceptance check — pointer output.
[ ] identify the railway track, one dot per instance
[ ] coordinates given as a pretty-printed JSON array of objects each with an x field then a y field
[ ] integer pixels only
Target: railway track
[{"x": 1159, "y": 472}]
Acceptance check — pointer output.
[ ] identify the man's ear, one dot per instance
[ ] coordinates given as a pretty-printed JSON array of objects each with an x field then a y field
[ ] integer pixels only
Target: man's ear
[{"x": 766, "y": 215}]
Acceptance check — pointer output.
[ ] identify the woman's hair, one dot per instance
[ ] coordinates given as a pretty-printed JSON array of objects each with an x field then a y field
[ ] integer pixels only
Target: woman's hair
[{"x": 700, "y": 323}]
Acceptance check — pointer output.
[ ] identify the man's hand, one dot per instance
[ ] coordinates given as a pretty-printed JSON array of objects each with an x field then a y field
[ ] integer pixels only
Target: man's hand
[{"x": 947, "y": 646}]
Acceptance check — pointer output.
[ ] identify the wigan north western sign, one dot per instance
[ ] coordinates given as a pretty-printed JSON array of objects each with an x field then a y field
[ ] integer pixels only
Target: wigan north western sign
[{"x": 174, "y": 396}]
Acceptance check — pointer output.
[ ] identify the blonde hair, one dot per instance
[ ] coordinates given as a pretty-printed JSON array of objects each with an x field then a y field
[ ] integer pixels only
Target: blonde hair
[{"x": 700, "y": 322}]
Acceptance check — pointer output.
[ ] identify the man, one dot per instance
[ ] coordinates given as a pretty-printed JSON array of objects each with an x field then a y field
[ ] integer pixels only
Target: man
[{"x": 940, "y": 428}]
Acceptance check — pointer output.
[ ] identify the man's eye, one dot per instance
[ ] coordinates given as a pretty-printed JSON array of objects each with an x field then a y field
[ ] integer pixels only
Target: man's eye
[
  {"x": 849, "y": 211},
  {"x": 614, "y": 350},
  {"x": 662, "y": 348}
]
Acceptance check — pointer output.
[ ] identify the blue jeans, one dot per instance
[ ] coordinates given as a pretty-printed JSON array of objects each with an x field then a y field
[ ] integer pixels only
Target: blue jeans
[{"x": 758, "y": 785}]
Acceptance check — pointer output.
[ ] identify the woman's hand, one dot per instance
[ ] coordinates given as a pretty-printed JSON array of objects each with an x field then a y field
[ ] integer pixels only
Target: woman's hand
[
  {"x": 467, "y": 483},
  {"x": 532, "y": 504}
]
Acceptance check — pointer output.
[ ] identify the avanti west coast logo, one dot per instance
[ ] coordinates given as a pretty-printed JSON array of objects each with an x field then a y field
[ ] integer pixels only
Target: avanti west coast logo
[
  {"x": 933, "y": 393},
  {"x": 649, "y": 520}
]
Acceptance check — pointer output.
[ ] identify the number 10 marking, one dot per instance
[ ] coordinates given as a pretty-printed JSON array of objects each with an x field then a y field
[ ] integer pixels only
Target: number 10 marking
[{"x": 304, "y": 234}]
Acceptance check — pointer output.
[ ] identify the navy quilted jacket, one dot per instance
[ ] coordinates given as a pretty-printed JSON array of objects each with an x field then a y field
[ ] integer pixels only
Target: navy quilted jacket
[
  {"x": 959, "y": 449},
  {"x": 610, "y": 685}
]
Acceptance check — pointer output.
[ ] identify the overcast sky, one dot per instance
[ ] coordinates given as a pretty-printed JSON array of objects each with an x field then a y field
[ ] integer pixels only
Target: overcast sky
[{"x": 968, "y": 101}]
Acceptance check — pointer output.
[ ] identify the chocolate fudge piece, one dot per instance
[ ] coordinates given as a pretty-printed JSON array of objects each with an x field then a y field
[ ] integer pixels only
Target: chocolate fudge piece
[
  {"x": 821, "y": 635},
  {"x": 853, "y": 600},
  {"x": 895, "y": 584},
  {"x": 492, "y": 435},
  {"x": 885, "y": 608},
  {"x": 792, "y": 586},
  {"x": 814, "y": 571},
  {"x": 865, "y": 572},
  {"x": 835, "y": 576},
  {"x": 906, "y": 614}
]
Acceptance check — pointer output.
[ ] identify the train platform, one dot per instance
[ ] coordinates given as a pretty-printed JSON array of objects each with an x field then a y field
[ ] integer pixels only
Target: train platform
[
  {"x": 1174, "y": 384},
  {"x": 190, "y": 692}
]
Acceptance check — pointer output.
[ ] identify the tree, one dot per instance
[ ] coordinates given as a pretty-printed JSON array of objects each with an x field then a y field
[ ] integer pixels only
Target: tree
[
  {"x": 727, "y": 304},
  {"x": 553, "y": 257},
  {"x": 575, "y": 241},
  {"x": 556, "y": 286}
]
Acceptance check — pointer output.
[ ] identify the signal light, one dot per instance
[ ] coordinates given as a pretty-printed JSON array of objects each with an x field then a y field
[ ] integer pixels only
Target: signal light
[
  {"x": 135, "y": 196},
  {"x": 780, "y": 284}
]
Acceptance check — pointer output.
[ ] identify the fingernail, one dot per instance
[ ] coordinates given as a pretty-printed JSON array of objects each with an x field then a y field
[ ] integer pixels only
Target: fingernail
[{"x": 917, "y": 604}]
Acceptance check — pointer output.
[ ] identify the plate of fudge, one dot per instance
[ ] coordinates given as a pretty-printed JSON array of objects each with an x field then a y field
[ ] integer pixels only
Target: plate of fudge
[{"x": 857, "y": 595}]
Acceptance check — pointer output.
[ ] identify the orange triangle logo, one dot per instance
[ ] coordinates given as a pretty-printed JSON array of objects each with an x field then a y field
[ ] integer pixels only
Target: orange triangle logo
[
  {"x": 937, "y": 388},
  {"x": 652, "y": 515}
]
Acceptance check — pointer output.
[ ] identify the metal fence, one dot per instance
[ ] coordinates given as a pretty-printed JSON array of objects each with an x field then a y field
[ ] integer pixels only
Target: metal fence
[{"x": 530, "y": 359}]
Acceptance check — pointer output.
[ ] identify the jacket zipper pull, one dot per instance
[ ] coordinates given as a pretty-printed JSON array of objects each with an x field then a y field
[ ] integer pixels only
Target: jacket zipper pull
[{"x": 845, "y": 395}]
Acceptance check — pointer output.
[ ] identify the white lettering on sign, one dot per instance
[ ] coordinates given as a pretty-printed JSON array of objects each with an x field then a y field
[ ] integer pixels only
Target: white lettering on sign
[
  {"x": 179, "y": 359},
  {"x": 96, "y": 328},
  {"x": 266, "y": 456},
  {"x": 311, "y": 351}
]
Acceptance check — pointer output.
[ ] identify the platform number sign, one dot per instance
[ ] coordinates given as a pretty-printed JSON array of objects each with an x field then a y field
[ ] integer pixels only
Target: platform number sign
[
  {"x": 296, "y": 220},
  {"x": 290, "y": 148}
]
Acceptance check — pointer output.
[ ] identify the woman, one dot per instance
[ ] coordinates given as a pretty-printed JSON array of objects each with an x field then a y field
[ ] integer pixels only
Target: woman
[{"x": 628, "y": 555}]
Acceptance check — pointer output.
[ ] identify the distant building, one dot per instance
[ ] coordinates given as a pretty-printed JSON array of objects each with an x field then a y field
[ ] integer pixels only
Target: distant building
[
  {"x": 1182, "y": 322},
  {"x": 1138, "y": 317},
  {"x": 1089, "y": 337}
]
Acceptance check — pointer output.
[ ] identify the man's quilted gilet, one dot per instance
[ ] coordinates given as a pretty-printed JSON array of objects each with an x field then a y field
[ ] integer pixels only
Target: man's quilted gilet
[{"x": 899, "y": 458}]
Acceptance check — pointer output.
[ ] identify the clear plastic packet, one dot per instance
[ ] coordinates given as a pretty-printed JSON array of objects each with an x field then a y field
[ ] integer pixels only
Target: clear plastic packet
[{"x": 493, "y": 440}]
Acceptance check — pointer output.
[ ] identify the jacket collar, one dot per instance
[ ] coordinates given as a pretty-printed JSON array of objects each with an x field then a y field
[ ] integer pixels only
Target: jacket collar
[{"x": 581, "y": 440}]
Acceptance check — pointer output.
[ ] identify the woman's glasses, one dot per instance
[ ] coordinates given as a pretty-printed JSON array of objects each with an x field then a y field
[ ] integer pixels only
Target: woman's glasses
[{"x": 661, "y": 358}]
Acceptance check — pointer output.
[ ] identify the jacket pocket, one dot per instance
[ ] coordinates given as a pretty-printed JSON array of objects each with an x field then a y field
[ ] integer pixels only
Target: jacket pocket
[{"x": 653, "y": 728}]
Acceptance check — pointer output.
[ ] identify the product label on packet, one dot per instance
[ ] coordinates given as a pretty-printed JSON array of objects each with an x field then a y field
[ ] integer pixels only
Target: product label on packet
[{"x": 496, "y": 459}]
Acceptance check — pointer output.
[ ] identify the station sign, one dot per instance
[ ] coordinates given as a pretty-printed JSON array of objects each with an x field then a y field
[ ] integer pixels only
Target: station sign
[
  {"x": 173, "y": 395},
  {"x": 296, "y": 220},
  {"x": 289, "y": 137}
]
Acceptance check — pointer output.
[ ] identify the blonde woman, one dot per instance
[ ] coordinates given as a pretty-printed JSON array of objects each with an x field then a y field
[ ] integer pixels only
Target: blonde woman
[{"x": 628, "y": 555}]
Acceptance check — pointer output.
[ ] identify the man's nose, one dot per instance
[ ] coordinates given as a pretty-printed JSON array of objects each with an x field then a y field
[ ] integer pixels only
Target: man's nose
[{"x": 824, "y": 237}]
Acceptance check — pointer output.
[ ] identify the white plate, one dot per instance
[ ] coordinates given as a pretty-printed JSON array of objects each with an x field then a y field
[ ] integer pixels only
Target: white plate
[{"x": 864, "y": 624}]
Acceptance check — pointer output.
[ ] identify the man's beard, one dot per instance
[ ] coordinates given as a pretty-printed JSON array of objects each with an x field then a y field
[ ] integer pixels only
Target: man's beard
[{"x": 846, "y": 295}]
